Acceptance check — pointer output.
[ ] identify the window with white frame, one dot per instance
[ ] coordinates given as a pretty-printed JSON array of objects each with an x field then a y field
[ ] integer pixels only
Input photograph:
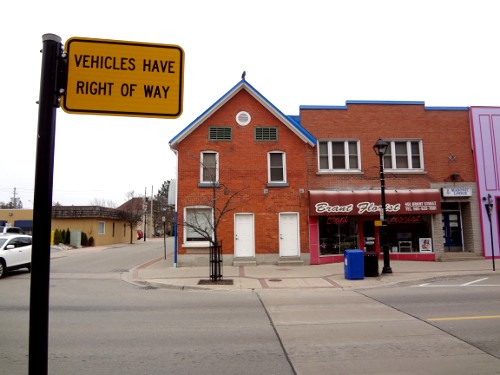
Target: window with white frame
[
  {"x": 101, "y": 227},
  {"x": 198, "y": 224},
  {"x": 276, "y": 167},
  {"x": 404, "y": 155},
  {"x": 209, "y": 166},
  {"x": 338, "y": 155}
]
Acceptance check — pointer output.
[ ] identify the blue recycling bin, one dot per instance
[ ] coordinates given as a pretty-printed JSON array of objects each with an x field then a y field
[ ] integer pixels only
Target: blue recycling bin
[{"x": 354, "y": 266}]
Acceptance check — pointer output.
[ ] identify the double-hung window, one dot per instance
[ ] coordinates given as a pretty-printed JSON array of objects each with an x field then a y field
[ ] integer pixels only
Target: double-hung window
[
  {"x": 276, "y": 161},
  {"x": 198, "y": 224},
  {"x": 101, "y": 227},
  {"x": 404, "y": 155},
  {"x": 338, "y": 155},
  {"x": 209, "y": 167}
]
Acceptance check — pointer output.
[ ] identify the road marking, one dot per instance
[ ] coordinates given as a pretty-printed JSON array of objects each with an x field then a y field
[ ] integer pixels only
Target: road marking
[
  {"x": 475, "y": 281},
  {"x": 464, "y": 318},
  {"x": 470, "y": 283}
]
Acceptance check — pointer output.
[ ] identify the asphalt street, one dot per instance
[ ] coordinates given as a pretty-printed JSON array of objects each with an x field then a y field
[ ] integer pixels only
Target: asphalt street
[{"x": 104, "y": 322}]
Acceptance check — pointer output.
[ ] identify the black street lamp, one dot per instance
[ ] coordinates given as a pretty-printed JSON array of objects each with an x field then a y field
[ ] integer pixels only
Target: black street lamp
[
  {"x": 380, "y": 148},
  {"x": 488, "y": 205}
]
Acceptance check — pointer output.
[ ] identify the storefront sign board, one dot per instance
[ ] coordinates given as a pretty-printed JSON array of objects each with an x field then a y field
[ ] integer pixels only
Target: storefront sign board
[
  {"x": 457, "y": 192},
  {"x": 368, "y": 202}
]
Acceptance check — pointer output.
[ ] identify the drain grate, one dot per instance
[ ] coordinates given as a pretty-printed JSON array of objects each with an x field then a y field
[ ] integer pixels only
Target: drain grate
[
  {"x": 149, "y": 287},
  {"x": 216, "y": 282},
  {"x": 275, "y": 280}
]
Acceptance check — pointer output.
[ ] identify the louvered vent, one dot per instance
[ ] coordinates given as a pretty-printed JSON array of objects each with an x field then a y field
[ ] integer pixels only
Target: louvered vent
[
  {"x": 266, "y": 134},
  {"x": 220, "y": 133}
]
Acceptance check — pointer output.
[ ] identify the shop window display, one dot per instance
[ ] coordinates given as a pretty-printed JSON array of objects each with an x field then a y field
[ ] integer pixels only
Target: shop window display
[
  {"x": 407, "y": 233},
  {"x": 336, "y": 234}
]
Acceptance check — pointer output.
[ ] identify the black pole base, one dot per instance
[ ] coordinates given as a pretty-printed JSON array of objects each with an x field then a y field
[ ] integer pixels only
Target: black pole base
[{"x": 386, "y": 269}]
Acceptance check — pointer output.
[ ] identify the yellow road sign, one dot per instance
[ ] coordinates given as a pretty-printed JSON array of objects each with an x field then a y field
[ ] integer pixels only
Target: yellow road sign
[{"x": 111, "y": 77}]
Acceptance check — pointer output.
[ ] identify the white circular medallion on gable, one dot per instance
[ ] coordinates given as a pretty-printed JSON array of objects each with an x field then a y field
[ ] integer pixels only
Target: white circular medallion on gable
[{"x": 243, "y": 118}]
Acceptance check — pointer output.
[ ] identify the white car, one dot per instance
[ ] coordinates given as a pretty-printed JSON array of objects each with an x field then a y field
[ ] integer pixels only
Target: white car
[
  {"x": 15, "y": 252},
  {"x": 5, "y": 229}
]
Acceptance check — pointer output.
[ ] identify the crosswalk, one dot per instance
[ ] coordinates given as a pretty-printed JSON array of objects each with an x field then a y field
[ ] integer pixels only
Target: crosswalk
[{"x": 456, "y": 283}]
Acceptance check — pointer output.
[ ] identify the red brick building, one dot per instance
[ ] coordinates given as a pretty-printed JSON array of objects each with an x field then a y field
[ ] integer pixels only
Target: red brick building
[
  {"x": 431, "y": 199},
  {"x": 257, "y": 157},
  {"x": 305, "y": 188}
]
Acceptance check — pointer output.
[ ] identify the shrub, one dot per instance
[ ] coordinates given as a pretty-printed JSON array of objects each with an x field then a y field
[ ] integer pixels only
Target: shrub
[
  {"x": 85, "y": 240},
  {"x": 58, "y": 237},
  {"x": 91, "y": 241}
]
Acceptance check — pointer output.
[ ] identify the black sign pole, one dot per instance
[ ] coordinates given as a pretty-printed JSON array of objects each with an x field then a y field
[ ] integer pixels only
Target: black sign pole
[{"x": 42, "y": 207}]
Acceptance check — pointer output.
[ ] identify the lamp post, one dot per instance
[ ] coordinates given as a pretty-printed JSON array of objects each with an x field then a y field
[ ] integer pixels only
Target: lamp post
[
  {"x": 380, "y": 148},
  {"x": 488, "y": 205}
]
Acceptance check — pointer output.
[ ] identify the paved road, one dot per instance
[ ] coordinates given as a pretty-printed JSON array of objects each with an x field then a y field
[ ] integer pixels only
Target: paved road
[
  {"x": 100, "y": 324},
  {"x": 467, "y": 307}
]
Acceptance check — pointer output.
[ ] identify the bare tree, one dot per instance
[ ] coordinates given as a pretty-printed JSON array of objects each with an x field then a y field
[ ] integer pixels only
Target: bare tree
[
  {"x": 132, "y": 211},
  {"x": 206, "y": 222},
  {"x": 162, "y": 209},
  {"x": 102, "y": 203}
]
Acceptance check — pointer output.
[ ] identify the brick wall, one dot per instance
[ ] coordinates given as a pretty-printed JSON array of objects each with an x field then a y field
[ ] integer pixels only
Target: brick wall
[
  {"x": 243, "y": 169},
  {"x": 444, "y": 134}
]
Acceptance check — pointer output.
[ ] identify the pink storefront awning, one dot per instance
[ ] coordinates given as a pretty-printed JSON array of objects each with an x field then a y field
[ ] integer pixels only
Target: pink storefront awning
[{"x": 368, "y": 202}]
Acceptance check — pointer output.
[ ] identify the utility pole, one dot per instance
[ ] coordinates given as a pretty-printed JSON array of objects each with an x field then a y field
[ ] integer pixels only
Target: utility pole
[
  {"x": 145, "y": 208},
  {"x": 14, "y": 199},
  {"x": 152, "y": 222}
]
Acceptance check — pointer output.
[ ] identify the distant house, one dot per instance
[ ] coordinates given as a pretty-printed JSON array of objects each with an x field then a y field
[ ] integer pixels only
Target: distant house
[
  {"x": 22, "y": 218},
  {"x": 105, "y": 225},
  {"x": 136, "y": 217}
]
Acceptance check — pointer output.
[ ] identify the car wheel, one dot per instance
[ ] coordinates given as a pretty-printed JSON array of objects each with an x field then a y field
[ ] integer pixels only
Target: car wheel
[{"x": 2, "y": 268}]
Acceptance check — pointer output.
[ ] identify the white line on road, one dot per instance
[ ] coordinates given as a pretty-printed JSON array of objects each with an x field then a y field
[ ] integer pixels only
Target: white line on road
[{"x": 475, "y": 281}]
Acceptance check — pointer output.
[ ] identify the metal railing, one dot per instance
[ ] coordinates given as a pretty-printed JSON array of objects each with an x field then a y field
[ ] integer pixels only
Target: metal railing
[{"x": 216, "y": 262}]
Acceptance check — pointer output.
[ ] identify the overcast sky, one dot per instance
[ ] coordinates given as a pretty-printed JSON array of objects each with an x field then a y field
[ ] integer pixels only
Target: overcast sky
[{"x": 313, "y": 52}]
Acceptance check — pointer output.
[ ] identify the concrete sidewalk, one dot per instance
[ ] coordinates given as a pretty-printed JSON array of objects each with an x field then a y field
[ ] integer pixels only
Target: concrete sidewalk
[{"x": 161, "y": 273}]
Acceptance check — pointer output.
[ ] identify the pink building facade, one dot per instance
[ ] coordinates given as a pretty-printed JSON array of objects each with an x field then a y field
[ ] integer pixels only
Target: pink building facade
[{"x": 485, "y": 128}]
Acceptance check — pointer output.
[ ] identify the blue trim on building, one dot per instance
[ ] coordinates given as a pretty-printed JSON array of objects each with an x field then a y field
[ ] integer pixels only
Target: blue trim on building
[
  {"x": 380, "y": 102},
  {"x": 447, "y": 108},
  {"x": 327, "y": 107},
  {"x": 205, "y": 112},
  {"x": 292, "y": 121},
  {"x": 385, "y": 102},
  {"x": 296, "y": 124}
]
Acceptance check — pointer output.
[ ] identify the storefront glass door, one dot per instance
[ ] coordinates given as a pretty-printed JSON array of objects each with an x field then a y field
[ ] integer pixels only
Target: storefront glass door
[{"x": 452, "y": 229}]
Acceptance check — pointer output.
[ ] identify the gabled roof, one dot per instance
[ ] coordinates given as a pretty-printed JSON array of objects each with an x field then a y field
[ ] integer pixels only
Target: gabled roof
[
  {"x": 289, "y": 121},
  {"x": 133, "y": 204}
]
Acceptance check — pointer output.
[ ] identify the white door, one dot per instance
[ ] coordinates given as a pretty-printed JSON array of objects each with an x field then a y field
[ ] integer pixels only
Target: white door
[
  {"x": 244, "y": 241},
  {"x": 289, "y": 234}
]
